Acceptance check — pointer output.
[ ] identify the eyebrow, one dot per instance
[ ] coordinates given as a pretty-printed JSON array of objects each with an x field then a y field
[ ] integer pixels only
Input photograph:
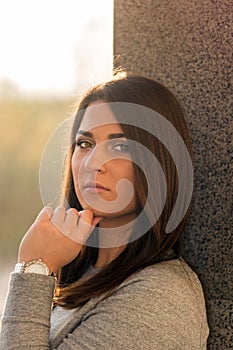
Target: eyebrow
[{"x": 110, "y": 136}]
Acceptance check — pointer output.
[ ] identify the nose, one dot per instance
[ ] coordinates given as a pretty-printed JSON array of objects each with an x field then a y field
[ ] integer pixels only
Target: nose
[{"x": 95, "y": 160}]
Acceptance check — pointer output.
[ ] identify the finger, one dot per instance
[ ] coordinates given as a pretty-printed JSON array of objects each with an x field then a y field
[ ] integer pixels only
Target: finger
[
  {"x": 59, "y": 215},
  {"x": 45, "y": 214},
  {"x": 72, "y": 213},
  {"x": 96, "y": 220},
  {"x": 84, "y": 226},
  {"x": 70, "y": 222},
  {"x": 49, "y": 211}
]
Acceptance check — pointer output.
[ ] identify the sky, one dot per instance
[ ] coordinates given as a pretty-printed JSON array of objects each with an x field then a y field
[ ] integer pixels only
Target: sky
[{"x": 55, "y": 46}]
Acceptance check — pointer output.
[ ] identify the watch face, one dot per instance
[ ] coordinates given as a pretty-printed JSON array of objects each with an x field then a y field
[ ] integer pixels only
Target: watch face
[{"x": 36, "y": 268}]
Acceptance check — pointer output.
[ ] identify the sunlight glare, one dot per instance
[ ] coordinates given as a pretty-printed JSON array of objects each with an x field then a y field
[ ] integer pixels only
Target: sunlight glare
[{"x": 55, "y": 46}]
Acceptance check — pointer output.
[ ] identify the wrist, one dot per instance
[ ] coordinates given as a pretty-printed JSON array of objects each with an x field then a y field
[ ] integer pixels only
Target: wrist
[{"x": 37, "y": 266}]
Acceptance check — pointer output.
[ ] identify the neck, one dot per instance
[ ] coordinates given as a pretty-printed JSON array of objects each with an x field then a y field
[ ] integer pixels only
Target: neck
[
  {"x": 107, "y": 255},
  {"x": 112, "y": 239}
]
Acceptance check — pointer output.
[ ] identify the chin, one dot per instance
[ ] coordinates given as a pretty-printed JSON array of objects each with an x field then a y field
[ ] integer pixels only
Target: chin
[{"x": 128, "y": 211}]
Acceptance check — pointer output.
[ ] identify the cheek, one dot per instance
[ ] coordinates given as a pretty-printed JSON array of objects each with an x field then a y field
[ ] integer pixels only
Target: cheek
[
  {"x": 129, "y": 171},
  {"x": 75, "y": 165},
  {"x": 75, "y": 169},
  {"x": 125, "y": 171},
  {"x": 130, "y": 177}
]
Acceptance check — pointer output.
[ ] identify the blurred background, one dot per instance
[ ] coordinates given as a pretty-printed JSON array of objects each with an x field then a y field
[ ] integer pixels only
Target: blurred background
[{"x": 51, "y": 51}]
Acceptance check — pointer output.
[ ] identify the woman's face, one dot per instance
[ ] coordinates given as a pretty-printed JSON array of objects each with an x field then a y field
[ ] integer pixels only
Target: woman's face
[{"x": 101, "y": 165}]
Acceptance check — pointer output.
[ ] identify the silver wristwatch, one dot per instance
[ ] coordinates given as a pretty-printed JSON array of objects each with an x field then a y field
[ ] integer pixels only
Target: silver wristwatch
[{"x": 34, "y": 266}]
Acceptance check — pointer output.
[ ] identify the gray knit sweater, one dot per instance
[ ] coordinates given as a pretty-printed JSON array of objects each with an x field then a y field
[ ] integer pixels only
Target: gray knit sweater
[{"x": 160, "y": 308}]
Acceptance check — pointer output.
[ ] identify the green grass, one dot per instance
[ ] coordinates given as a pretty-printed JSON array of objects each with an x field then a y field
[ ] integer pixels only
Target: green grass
[{"x": 25, "y": 128}]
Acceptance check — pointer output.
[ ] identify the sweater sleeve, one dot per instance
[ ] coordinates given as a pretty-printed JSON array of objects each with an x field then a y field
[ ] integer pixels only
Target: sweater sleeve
[{"x": 26, "y": 317}]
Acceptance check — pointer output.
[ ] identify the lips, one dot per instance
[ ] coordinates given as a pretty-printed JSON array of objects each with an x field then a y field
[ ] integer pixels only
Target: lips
[{"x": 95, "y": 187}]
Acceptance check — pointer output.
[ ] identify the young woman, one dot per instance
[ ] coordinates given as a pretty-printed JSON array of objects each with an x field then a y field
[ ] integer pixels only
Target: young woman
[{"x": 121, "y": 283}]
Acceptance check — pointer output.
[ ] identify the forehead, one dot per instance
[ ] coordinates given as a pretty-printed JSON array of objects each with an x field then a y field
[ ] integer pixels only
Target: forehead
[{"x": 99, "y": 115}]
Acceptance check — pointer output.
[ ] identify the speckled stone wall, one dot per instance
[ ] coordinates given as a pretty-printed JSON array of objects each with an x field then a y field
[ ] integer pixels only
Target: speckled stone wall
[{"x": 187, "y": 45}]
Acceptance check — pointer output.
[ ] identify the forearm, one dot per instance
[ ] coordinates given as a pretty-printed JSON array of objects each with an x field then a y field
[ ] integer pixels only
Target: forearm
[{"x": 26, "y": 318}]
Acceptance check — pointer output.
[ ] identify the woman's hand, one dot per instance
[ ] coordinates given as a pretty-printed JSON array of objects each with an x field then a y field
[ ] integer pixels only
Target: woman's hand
[{"x": 57, "y": 236}]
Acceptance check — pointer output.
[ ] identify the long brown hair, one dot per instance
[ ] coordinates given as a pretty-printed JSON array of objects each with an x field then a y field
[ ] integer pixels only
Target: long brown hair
[{"x": 153, "y": 246}]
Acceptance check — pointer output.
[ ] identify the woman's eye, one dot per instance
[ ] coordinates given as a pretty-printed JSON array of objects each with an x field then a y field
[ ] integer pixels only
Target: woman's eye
[
  {"x": 84, "y": 144},
  {"x": 121, "y": 147}
]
